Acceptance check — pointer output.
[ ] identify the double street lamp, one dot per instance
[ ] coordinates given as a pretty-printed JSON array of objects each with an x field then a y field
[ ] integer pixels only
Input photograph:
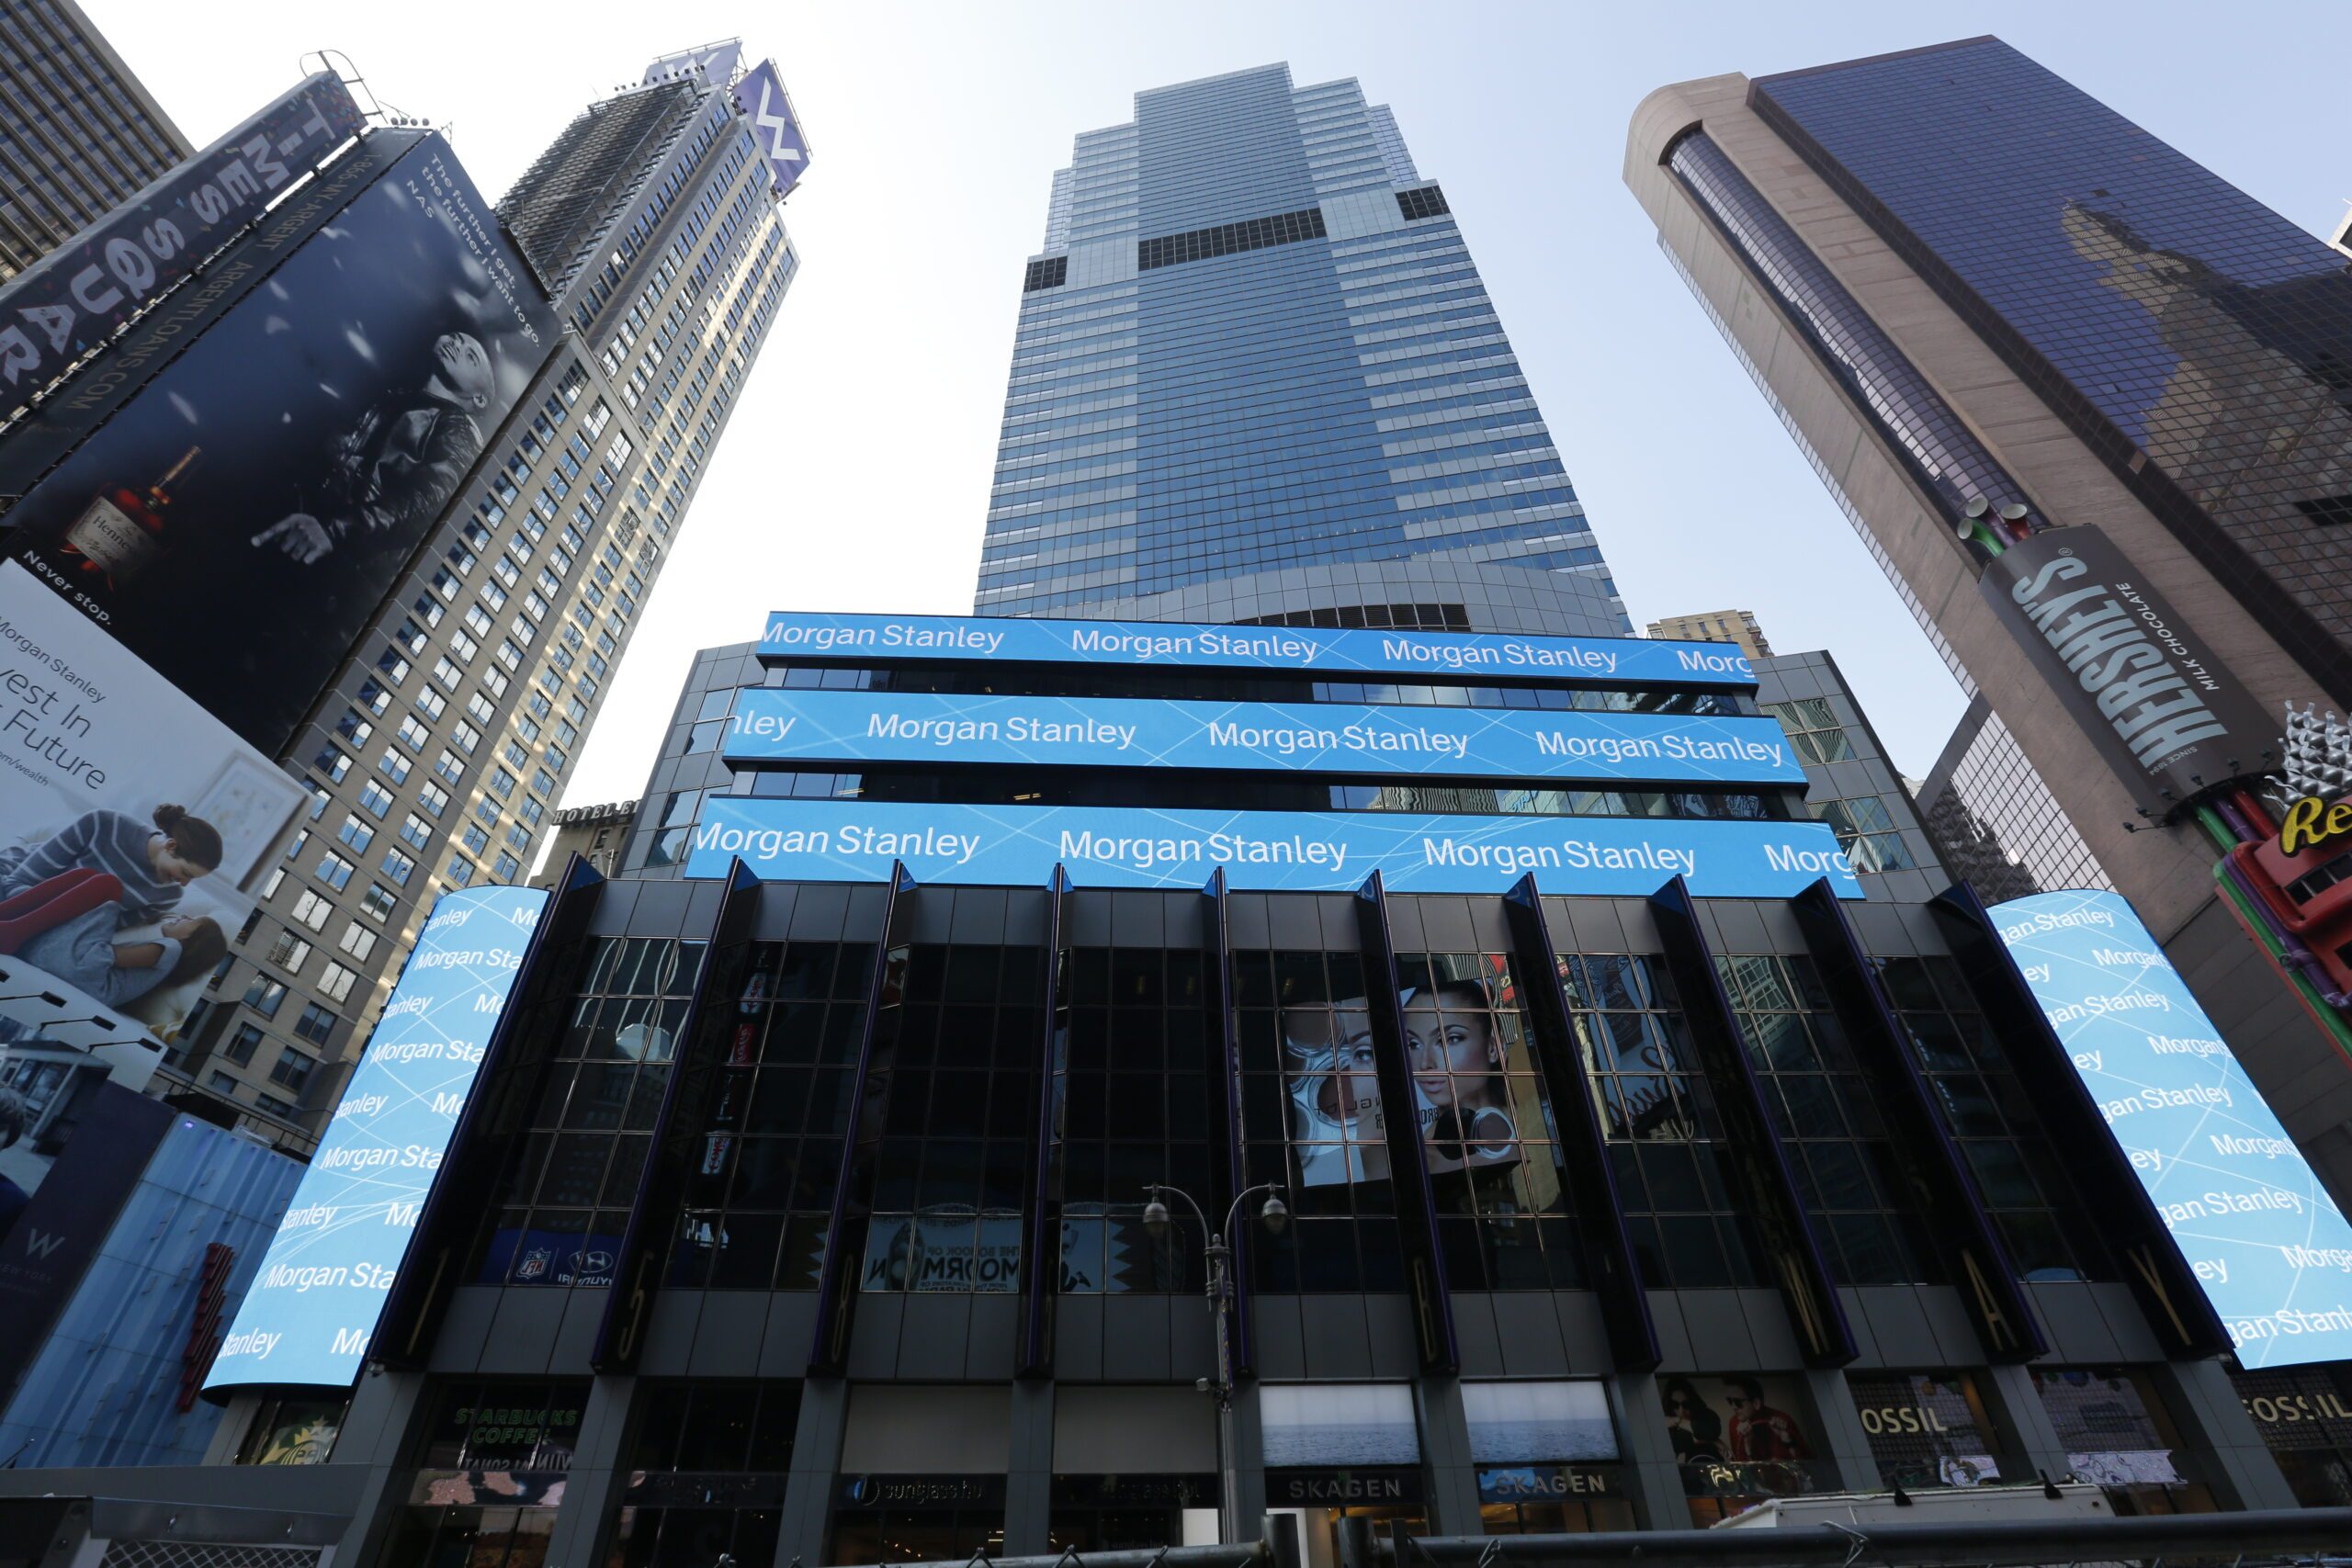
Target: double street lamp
[{"x": 1217, "y": 1253}]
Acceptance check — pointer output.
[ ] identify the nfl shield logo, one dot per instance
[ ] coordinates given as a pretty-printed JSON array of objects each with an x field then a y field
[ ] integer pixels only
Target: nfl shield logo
[{"x": 534, "y": 1264}]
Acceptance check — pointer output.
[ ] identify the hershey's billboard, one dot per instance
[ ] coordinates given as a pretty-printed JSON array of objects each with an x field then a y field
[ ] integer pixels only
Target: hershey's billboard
[{"x": 2165, "y": 710}]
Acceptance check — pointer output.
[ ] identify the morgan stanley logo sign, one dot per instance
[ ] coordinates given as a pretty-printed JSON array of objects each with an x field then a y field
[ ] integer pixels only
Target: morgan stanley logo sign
[
  {"x": 2170, "y": 718},
  {"x": 760, "y": 96}
]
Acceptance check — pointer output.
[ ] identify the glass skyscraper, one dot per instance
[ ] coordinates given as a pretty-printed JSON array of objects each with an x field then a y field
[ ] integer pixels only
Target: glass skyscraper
[
  {"x": 1965, "y": 285},
  {"x": 1257, "y": 377}
]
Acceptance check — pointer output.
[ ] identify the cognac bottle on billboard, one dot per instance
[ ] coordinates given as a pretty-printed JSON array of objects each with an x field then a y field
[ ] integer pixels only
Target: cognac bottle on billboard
[{"x": 120, "y": 533}]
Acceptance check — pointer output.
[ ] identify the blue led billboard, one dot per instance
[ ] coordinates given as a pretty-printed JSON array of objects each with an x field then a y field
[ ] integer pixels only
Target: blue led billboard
[
  {"x": 840, "y": 841},
  {"x": 311, "y": 1309},
  {"x": 773, "y": 725},
  {"x": 898, "y": 640},
  {"x": 2271, "y": 1249}
]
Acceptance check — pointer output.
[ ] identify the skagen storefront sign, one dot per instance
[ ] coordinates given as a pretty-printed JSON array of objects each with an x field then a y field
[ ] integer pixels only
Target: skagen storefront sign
[
  {"x": 778, "y": 726},
  {"x": 1332, "y": 1488},
  {"x": 795, "y": 637},
  {"x": 2165, "y": 710},
  {"x": 1014, "y": 846},
  {"x": 1546, "y": 1482}
]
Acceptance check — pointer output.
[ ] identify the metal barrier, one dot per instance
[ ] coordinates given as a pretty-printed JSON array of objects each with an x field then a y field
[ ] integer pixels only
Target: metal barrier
[
  {"x": 2310, "y": 1537},
  {"x": 2254, "y": 1539}
]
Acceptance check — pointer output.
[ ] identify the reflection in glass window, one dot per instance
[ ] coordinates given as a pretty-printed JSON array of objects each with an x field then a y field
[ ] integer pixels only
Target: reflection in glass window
[
  {"x": 1309, "y": 1120},
  {"x": 2042, "y": 1220},
  {"x": 955, "y": 1089},
  {"x": 761, "y": 1194},
  {"x": 1486, "y": 1126},
  {"x": 1658, "y": 1121},
  {"x": 1869, "y": 1231},
  {"x": 557, "y": 1217},
  {"x": 706, "y": 1474},
  {"x": 1136, "y": 1079}
]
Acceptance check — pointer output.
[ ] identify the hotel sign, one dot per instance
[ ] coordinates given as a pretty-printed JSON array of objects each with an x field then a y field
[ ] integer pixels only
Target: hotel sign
[{"x": 807, "y": 638}]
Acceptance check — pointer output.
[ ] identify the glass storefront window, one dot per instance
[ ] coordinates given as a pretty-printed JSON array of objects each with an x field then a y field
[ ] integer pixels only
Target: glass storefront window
[
  {"x": 916, "y": 1519},
  {"x": 293, "y": 1431},
  {"x": 2118, "y": 1436},
  {"x": 1342, "y": 1451},
  {"x": 490, "y": 1474},
  {"x": 2304, "y": 1414},
  {"x": 1739, "y": 1439},
  {"x": 1925, "y": 1429},
  {"x": 707, "y": 1472},
  {"x": 1546, "y": 1458},
  {"x": 1126, "y": 1513}
]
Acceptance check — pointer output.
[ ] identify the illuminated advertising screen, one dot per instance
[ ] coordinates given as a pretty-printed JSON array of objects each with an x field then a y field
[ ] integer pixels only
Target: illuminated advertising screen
[
  {"x": 134, "y": 828},
  {"x": 237, "y": 521},
  {"x": 773, "y": 724},
  {"x": 2271, "y": 1248},
  {"x": 313, "y": 1308},
  {"x": 1018, "y": 846},
  {"x": 794, "y": 637}
]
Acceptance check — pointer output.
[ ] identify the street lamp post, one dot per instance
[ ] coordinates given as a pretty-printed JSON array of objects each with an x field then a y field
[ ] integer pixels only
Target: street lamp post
[{"x": 1217, "y": 1254}]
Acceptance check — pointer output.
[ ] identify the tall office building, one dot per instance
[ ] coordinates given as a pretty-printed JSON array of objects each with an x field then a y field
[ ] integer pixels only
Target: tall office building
[
  {"x": 1257, "y": 378},
  {"x": 79, "y": 134},
  {"x": 2021, "y": 314},
  {"x": 437, "y": 756}
]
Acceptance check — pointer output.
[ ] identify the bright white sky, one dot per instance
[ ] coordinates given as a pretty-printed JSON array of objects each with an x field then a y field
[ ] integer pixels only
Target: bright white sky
[{"x": 855, "y": 473}]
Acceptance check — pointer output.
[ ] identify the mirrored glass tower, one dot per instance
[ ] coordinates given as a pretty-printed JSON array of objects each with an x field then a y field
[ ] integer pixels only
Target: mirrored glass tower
[{"x": 1257, "y": 378}]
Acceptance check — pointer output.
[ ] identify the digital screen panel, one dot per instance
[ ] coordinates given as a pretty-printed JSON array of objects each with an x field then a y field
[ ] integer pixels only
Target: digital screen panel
[
  {"x": 2271, "y": 1248},
  {"x": 796, "y": 637},
  {"x": 773, "y": 724},
  {"x": 313, "y": 1306},
  {"x": 1328, "y": 852}
]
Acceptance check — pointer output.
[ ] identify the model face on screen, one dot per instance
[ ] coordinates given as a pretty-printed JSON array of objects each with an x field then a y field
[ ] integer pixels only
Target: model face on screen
[
  {"x": 462, "y": 373},
  {"x": 1351, "y": 1089},
  {"x": 1452, "y": 1054}
]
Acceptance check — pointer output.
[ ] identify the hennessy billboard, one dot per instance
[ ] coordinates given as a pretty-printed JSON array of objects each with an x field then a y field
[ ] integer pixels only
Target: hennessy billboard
[
  {"x": 2167, "y": 713},
  {"x": 239, "y": 521}
]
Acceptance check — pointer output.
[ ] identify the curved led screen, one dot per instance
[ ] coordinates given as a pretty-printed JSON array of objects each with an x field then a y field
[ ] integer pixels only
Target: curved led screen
[
  {"x": 2271, "y": 1249},
  {"x": 773, "y": 725},
  {"x": 793, "y": 638},
  {"x": 313, "y": 1306},
  {"x": 1328, "y": 852}
]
